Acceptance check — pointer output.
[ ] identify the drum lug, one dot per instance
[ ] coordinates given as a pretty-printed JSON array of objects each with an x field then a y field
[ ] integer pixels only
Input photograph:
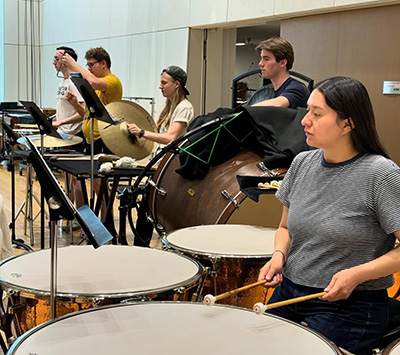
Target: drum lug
[
  {"x": 181, "y": 290},
  {"x": 228, "y": 196},
  {"x": 160, "y": 230},
  {"x": 216, "y": 264},
  {"x": 96, "y": 302},
  {"x": 10, "y": 292},
  {"x": 159, "y": 190},
  {"x": 264, "y": 169},
  {"x": 149, "y": 218}
]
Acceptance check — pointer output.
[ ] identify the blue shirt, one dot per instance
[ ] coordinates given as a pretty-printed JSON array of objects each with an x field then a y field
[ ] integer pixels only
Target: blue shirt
[{"x": 295, "y": 91}]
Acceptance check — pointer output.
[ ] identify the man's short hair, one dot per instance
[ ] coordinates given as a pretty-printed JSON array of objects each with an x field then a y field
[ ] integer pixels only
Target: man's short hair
[
  {"x": 280, "y": 48},
  {"x": 98, "y": 53},
  {"x": 68, "y": 50}
]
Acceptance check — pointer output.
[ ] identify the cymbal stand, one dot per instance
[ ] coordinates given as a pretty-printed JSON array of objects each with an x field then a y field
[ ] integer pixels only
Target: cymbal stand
[{"x": 30, "y": 196}]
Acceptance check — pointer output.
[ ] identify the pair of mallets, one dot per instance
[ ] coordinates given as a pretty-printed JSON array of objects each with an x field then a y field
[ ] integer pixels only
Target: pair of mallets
[{"x": 259, "y": 308}]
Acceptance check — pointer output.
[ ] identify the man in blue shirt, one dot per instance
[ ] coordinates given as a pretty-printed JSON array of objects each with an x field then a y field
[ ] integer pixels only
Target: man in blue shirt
[{"x": 277, "y": 59}]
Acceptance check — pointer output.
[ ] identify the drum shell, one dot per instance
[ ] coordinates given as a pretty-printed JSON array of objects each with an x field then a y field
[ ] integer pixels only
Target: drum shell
[
  {"x": 232, "y": 273},
  {"x": 233, "y": 254},
  {"x": 190, "y": 203}
]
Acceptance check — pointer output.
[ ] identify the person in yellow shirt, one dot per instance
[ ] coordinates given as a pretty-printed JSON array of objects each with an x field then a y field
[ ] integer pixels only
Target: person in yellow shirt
[{"x": 106, "y": 85}]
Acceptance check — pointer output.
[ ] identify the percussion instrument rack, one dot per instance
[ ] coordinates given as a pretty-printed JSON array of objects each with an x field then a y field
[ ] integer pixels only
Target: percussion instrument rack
[
  {"x": 80, "y": 168},
  {"x": 137, "y": 98}
]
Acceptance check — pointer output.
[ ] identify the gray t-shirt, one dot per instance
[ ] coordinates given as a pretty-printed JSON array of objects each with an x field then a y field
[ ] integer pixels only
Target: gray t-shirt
[{"x": 340, "y": 215}]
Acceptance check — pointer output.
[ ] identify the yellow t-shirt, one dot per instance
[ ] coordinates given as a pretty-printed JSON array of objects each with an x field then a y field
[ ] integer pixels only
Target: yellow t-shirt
[{"x": 112, "y": 93}]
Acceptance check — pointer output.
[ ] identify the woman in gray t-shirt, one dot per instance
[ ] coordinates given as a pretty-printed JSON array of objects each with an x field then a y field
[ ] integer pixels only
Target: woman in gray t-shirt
[{"x": 339, "y": 223}]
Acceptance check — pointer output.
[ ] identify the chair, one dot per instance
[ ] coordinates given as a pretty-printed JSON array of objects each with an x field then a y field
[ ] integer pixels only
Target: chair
[{"x": 267, "y": 90}]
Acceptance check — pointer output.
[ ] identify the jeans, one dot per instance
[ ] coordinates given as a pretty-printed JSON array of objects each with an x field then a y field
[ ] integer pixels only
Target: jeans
[{"x": 355, "y": 324}]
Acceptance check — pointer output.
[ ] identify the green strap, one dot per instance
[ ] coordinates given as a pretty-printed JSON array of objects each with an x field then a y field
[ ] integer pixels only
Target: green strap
[{"x": 218, "y": 130}]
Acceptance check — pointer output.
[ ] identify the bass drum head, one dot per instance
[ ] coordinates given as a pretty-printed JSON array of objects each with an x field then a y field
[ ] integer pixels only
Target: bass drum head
[{"x": 191, "y": 203}]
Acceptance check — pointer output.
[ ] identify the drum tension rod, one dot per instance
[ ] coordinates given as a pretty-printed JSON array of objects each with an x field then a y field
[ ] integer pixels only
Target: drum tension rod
[
  {"x": 227, "y": 195},
  {"x": 17, "y": 308},
  {"x": 264, "y": 169},
  {"x": 160, "y": 190}
]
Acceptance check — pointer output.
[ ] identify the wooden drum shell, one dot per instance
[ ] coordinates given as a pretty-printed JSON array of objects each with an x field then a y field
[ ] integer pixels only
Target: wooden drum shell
[{"x": 190, "y": 203}]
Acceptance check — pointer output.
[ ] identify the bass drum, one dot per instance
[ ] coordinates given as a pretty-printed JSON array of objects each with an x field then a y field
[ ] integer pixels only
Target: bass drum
[{"x": 178, "y": 203}]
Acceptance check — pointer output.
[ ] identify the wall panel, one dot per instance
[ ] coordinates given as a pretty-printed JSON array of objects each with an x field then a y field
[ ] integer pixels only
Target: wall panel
[
  {"x": 363, "y": 44},
  {"x": 249, "y": 9},
  {"x": 207, "y": 11}
]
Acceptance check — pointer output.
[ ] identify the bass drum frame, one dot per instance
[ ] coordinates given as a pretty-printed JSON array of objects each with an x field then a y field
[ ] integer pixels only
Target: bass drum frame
[{"x": 177, "y": 203}]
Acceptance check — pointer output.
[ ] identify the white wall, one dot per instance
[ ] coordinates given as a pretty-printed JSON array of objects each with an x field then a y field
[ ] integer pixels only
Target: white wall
[{"x": 142, "y": 37}]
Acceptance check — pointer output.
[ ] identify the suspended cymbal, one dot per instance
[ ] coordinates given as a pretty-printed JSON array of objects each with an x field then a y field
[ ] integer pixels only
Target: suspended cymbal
[
  {"x": 117, "y": 137},
  {"x": 51, "y": 142}
]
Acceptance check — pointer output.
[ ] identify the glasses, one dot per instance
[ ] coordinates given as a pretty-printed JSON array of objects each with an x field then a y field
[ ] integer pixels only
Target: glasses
[
  {"x": 56, "y": 59},
  {"x": 90, "y": 65}
]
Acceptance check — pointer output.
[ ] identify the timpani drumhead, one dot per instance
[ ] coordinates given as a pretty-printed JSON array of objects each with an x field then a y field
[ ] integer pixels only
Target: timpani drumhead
[
  {"x": 107, "y": 272},
  {"x": 170, "y": 328},
  {"x": 224, "y": 240}
]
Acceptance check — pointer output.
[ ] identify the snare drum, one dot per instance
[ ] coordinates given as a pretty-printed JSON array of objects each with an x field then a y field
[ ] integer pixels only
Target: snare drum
[
  {"x": 168, "y": 328},
  {"x": 88, "y": 276},
  {"x": 234, "y": 253}
]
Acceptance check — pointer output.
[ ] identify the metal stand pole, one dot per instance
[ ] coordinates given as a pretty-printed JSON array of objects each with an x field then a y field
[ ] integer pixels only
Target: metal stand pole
[
  {"x": 42, "y": 242},
  {"x": 53, "y": 270},
  {"x": 91, "y": 163}
]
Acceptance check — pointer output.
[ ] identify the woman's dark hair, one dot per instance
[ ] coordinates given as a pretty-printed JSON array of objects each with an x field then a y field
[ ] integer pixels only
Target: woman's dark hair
[{"x": 349, "y": 99}]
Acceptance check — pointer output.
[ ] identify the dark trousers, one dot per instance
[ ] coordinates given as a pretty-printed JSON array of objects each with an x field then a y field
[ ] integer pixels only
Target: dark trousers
[
  {"x": 98, "y": 147},
  {"x": 356, "y": 324}
]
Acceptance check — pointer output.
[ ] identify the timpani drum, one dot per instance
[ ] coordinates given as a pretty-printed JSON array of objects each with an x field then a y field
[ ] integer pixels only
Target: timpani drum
[
  {"x": 215, "y": 199},
  {"x": 233, "y": 253},
  {"x": 88, "y": 277},
  {"x": 170, "y": 328},
  {"x": 393, "y": 348}
]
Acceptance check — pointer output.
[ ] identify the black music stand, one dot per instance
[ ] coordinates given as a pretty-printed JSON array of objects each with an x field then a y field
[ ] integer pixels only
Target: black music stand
[
  {"x": 43, "y": 122},
  {"x": 96, "y": 110},
  {"x": 12, "y": 138},
  {"x": 45, "y": 127},
  {"x": 61, "y": 206}
]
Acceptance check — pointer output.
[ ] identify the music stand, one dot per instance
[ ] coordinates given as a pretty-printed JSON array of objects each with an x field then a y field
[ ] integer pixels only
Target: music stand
[
  {"x": 96, "y": 110},
  {"x": 43, "y": 122},
  {"x": 12, "y": 137},
  {"x": 61, "y": 206},
  {"x": 45, "y": 127}
]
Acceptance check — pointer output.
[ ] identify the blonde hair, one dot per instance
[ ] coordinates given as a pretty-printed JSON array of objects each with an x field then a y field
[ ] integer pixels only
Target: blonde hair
[{"x": 169, "y": 108}]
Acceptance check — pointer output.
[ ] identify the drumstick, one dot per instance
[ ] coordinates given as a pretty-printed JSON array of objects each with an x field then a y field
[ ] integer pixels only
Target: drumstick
[
  {"x": 209, "y": 300},
  {"x": 260, "y": 308}
]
